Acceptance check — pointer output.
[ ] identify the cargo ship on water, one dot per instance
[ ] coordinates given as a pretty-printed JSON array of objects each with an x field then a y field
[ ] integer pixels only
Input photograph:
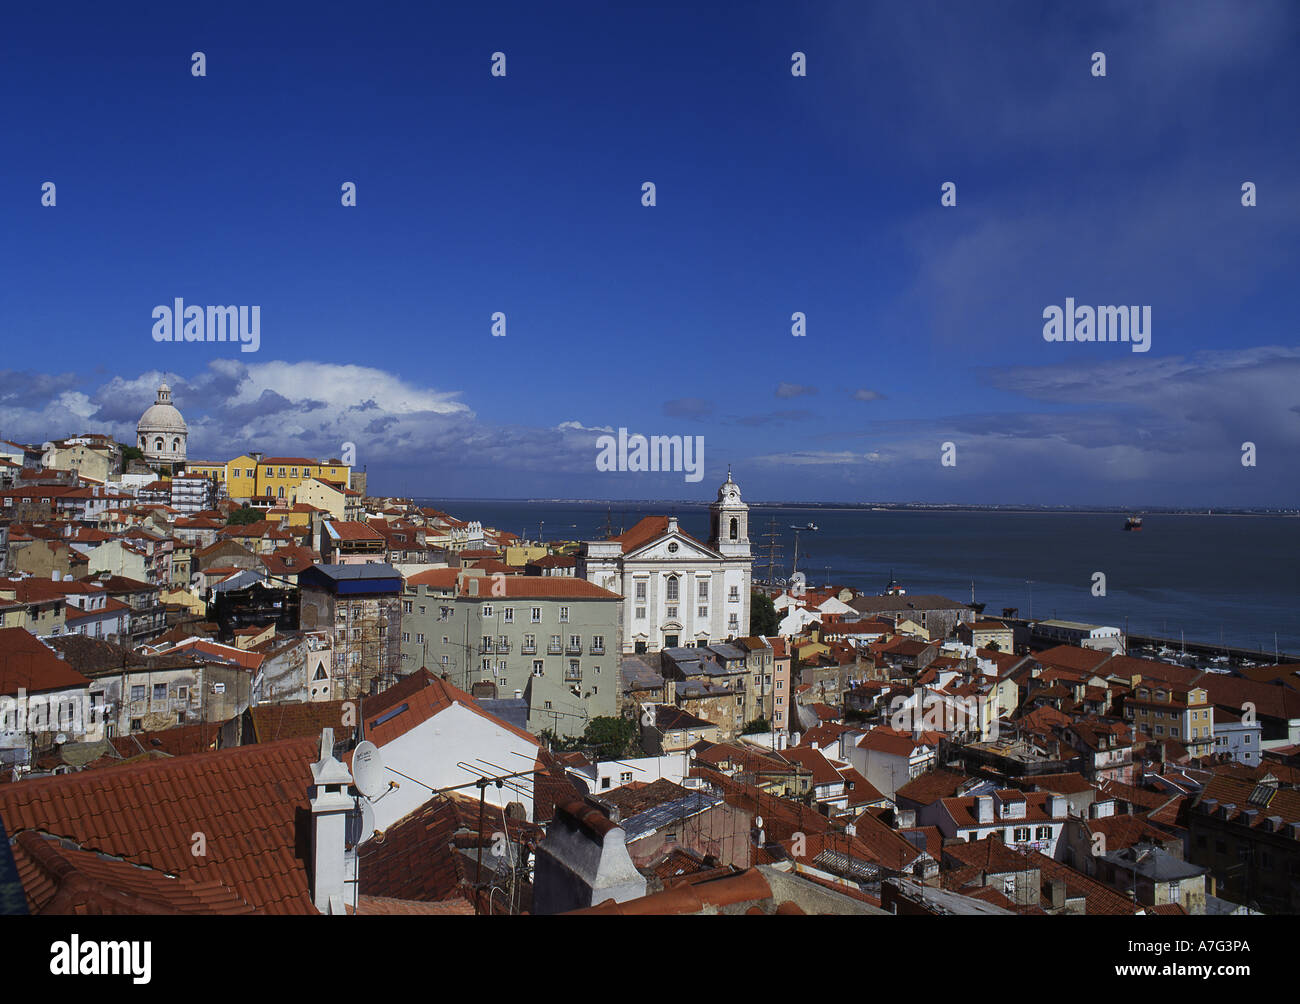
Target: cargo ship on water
[{"x": 1133, "y": 523}]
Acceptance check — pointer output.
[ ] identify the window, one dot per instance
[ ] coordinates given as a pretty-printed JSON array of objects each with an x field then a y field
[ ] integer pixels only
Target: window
[
  {"x": 536, "y": 615},
  {"x": 704, "y": 591},
  {"x": 548, "y": 706},
  {"x": 605, "y": 782},
  {"x": 702, "y": 612},
  {"x": 509, "y": 615},
  {"x": 419, "y": 638},
  {"x": 575, "y": 641},
  {"x": 182, "y": 693},
  {"x": 564, "y": 615},
  {"x": 672, "y": 589},
  {"x": 625, "y": 777},
  {"x": 640, "y": 613},
  {"x": 733, "y": 622},
  {"x": 406, "y": 636},
  {"x": 446, "y": 660},
  {"x": 1043, "y": 833},
  {"x": 135, "y": 725},
  {"x": 733, "y": 594},
  {"x": 538, "y": 666},
  {"x": 1021, "y": 833},
  {"x": 137, "y": 691},
  {"x": 487, "y": 609},
  {"x": 407, "y": 606},
  {"x": 640, "y": 590}
]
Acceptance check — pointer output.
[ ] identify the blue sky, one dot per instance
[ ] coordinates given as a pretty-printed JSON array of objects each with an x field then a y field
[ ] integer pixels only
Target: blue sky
[{"x": 775, "y": 194}]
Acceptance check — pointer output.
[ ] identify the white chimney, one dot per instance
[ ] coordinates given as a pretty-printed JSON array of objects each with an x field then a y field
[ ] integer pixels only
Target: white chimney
[
  {"x": 518, "y": 694},
  {"x": 330, "y": 803},
  {"x": 984, "y": 808}
]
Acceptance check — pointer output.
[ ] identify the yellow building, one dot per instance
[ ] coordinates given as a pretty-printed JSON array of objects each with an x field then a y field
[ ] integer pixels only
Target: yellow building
[
  {"x": 518, "y": 555},
  {"x": 241, "y": 477},
  {"x": 322, "y": 495},
  {"x": 279, "y": 477}
]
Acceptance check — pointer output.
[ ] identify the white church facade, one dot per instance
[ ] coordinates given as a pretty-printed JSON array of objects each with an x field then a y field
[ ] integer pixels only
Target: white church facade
[{"x": 678, "y": 591}]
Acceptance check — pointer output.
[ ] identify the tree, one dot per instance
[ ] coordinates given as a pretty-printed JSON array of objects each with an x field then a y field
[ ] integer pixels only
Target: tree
[
  {"x": 243, "y": 516},
  {"x": 762, "y": 615},
  {"x": 612, "y": 737},
  {"x": 994, "y": 646},
  {"x": 757, "y": 726}
]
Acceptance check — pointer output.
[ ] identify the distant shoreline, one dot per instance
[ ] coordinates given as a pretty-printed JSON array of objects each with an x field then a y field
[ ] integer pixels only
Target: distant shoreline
[{"x": 893, "y": 507}]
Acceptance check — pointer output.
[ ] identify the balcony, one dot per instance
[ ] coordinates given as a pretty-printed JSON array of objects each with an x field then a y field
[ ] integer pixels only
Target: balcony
[
  {"x": 597, "y": 649},
  {"x": 554, "y": 649},
  {"x": 573, "y": 676},
  {"x": 528, "y": 649},
  {"x": 572, "y": 649}
]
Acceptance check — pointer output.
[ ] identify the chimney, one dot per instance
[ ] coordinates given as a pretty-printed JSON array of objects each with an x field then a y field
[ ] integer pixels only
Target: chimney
[
  {"x": 330, "y": 805},
  {"x": 1056, "y": 806},
  {"x": 1056, "y": 894},
  {"x": 473, "y": 586},
  {"x": 984, "y": 808}
]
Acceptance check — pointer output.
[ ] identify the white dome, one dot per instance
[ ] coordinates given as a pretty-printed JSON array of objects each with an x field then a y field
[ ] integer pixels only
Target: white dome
[{"x": 161, "y": 431}]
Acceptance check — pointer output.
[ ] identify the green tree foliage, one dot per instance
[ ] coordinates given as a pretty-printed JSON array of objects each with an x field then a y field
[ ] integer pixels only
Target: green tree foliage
[
  {"x": 762, "y": 615},
  {"x": 758, "y": 725},
  {"x": 613, "y": 737},
  {"x": 243, "y": 516}
]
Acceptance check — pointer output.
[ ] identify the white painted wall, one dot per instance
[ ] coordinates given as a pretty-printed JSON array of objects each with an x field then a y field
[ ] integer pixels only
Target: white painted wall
[{"x": 431, "y": 750}]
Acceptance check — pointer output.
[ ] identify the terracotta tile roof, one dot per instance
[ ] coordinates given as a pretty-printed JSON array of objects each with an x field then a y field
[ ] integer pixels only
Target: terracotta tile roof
[
  {"x": 272, "y": 722},
  {"x": 424, "y": 835},
  {"x": 424, "y": 695},
  {"x": 1073, "y": 657},
  {"x": 811, "y": 759},
  {"x": 435, "y": 578},
  {"x": 245, "y": 801},
  {"x": 1125, "y": 831},
  {"x": 649, "y": 528},
  {"x": 886, "y": 740},
  {"x": 989, "y": 856},
  {"x": 180, "y": 741},
  {"x": 1234, "y": 791},
  {"x": 1062, "y": 784},
  {"x": 63, "y": 880},
  {"x": 1098, "y": 898},
  {"x": 28, "y": 664},
  {"x": 858, "y": 790},
  {"x": 384, "y": 906},
  {"x": 690, "y": 897}
]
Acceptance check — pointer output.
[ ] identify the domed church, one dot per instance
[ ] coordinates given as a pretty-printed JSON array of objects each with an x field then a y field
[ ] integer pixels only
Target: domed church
[{"x": 161, "y": 431}]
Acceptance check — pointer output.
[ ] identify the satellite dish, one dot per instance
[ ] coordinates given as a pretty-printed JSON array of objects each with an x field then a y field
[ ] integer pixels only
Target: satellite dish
[
  {"x": 368, "y": 769},
  {"x": 692, "y": 754},
  {"x": 61, "y": 738},
  {"x": 367, "y": 822},
  {"x": 758, "y": 822}
]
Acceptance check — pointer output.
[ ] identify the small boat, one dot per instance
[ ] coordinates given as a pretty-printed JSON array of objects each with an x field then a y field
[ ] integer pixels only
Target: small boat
[{"x": 1133, "y": 523}]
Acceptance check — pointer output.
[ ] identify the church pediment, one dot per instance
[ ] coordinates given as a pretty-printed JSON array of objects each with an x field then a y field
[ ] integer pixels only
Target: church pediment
[{"x": 673, "y": 547}]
